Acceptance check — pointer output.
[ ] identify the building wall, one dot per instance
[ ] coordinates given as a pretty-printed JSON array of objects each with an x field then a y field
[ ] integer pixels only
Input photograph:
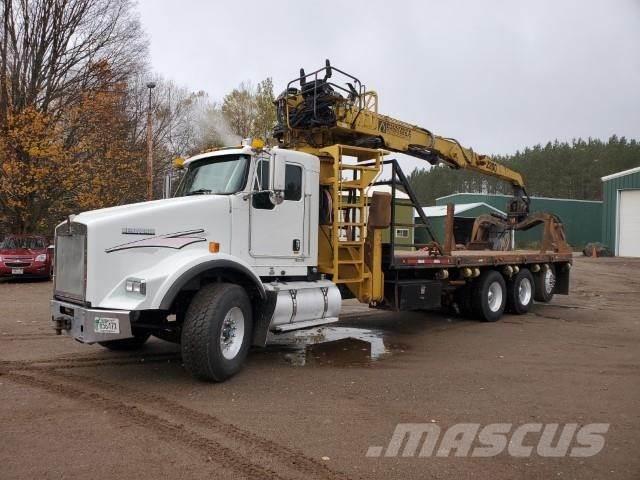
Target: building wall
[
  {"x": 581, "y": 218},
  {"x": 403, "y": 214},
  {"x": 610, "y": 209}
]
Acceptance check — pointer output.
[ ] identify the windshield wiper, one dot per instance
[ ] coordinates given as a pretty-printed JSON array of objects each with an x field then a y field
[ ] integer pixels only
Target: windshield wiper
[{"x": 200, "y": 191}]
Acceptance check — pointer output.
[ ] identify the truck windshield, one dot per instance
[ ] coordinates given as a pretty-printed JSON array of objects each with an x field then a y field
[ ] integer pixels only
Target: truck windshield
[{"x": 218, "y": 175}]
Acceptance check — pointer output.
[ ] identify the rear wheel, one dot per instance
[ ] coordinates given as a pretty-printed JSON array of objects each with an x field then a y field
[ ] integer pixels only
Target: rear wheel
[
  {"x": 520, "y": 292},
  {"x": 544, "y": 283},
  {"x": 489, "y": 296},
  {"x": 134, "y": 343},
  {"x": 216, "y": 332}
]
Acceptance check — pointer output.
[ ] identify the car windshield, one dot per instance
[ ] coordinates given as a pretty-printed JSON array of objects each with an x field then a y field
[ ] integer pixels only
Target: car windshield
[
  {"x": 218, "y": 175},
  {"x": 31, "y": 243}
]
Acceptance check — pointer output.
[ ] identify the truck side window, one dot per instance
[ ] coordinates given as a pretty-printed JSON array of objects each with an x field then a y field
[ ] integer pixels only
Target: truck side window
[
  {"x": 261, "y": 199},
  {"x": 293, "y": 182}
]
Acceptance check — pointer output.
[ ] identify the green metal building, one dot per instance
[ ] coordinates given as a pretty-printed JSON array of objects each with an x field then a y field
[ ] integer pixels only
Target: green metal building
[
  {"x": 581, "y": 218},
  {"x": 621, "y": 212},
  {"x": 403, "y": 212}
]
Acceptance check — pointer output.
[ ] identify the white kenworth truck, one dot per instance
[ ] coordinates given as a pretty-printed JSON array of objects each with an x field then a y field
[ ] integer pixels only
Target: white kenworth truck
[
  {"x": 260, "y": 241},
  {"x": 232, "y": 256}
]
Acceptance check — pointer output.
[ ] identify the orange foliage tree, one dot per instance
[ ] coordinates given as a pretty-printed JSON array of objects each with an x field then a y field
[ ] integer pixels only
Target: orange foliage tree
[
  {"x": 86, "y": 158},
  {"x": 67, "y": 140}
]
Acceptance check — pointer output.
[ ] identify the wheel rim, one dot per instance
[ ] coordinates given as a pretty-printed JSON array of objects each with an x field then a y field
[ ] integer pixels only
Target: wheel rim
[
  {"x": 524, "y": 291},
  {"x": 549, "y": 281},
  {"x": 494, "y": 296},
  {"x": 232, "y": 333}
]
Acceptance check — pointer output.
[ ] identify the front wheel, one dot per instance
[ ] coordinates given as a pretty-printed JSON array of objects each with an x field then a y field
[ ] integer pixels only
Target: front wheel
[
  {"x": 489, "y": 296},
  {"x": 216, "y": 332}
]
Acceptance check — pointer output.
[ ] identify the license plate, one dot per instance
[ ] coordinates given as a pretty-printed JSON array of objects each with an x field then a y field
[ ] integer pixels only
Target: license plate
[
  {"x": 17, "y": 271},
  {"x": 106, "y": 325}
]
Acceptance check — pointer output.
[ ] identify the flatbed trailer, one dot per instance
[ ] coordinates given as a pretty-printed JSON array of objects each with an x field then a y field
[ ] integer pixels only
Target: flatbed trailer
[{"x": 445, "y": 274}]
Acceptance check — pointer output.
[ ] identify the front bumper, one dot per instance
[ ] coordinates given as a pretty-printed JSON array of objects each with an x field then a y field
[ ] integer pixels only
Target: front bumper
[
  {"x": 87, "y": 325},
  {"x": 32, "y": 271}
]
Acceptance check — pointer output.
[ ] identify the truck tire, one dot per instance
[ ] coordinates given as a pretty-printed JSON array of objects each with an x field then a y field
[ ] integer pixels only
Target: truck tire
[
  {"x": 216, "y": 334},
  {"x": 544, "y": 284},
  {"x": 489, "y": 296},
  {"x": 134, "y": 343},
  {"x": 520, "y": 292}
]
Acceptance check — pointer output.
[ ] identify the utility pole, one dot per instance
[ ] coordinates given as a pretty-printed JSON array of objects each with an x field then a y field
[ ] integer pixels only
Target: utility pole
[{"x": 150, "y": 86}]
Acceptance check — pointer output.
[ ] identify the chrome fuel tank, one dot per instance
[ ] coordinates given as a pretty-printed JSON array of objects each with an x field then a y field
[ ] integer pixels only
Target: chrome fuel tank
[{"x": 303, "y": 304}]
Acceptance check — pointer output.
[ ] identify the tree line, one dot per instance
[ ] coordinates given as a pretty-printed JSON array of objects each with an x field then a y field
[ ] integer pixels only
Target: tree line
[
  {"x": 73, "y": 109},
  {"x": 557, "y": 169},
  {"x": 74, "y": 103}
]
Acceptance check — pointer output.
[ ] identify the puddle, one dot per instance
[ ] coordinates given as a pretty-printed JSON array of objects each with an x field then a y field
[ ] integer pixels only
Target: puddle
[{"x": 335, "y": 346}]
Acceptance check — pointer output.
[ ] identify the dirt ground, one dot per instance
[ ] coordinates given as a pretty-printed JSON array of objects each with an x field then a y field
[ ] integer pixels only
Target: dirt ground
[{"x": 71, "y": 411}]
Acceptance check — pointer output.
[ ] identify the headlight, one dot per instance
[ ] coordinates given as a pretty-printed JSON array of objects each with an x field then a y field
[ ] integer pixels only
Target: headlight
[
  {"x": 136, "y": 285},
  {"x": 41, "y": 258}
]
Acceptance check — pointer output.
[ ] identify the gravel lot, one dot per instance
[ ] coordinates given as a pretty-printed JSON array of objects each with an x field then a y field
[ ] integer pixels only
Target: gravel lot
[{"x": 70, "y": 411}]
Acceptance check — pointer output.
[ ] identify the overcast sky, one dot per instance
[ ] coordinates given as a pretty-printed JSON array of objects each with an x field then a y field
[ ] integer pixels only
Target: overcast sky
[{"x": 497, "y": 75}]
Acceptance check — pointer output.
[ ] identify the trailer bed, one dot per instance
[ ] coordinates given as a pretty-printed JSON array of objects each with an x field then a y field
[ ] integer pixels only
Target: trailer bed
[{"x": 476, "y": 258}]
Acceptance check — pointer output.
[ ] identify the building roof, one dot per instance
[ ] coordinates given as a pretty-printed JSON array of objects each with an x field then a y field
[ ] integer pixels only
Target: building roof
[
  {"x": 624, "y": 173},
  {"x": 510, "y": 196},
  {"x": 441, "y": 210}
]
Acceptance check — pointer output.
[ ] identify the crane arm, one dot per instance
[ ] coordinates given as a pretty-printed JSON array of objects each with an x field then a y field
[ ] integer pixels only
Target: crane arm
[
  {"x": 316, "y": 112},
  {"x": 419, "y": 142}
]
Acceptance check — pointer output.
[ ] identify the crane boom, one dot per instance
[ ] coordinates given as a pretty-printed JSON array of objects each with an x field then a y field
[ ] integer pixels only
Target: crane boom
[{"x": 316, "y": 112}]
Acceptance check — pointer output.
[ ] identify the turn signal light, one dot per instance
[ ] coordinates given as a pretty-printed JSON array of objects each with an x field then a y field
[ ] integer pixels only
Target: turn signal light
[{"x": 214, "y": 247}]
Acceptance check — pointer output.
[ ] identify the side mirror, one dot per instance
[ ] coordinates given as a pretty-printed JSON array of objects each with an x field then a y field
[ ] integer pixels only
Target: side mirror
[{"x": 277, "y": 166}]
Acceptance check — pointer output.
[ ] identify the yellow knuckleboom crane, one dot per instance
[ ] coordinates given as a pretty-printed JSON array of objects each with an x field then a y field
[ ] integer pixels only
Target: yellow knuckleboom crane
[{"x": 337, "y": 119}]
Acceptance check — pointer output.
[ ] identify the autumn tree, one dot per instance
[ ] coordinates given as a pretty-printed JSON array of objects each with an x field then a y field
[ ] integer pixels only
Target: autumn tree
[
  {"x": 57, "y": 59},
  {"x": 265, "y": 116},
  {"x": 249, "y": 110}
]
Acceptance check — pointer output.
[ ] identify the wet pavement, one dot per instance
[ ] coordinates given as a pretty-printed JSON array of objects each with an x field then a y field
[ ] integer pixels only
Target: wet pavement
[{"x": 335, "y": 346}]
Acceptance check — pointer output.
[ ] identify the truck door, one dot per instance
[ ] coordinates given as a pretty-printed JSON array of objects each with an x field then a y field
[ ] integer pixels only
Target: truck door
[{"x": 278, "y": 231}]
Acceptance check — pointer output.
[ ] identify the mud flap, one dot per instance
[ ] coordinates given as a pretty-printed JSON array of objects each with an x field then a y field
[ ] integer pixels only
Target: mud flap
[
  {"x": 562, "y": 279},
  {"x": 262, "y": 313}
]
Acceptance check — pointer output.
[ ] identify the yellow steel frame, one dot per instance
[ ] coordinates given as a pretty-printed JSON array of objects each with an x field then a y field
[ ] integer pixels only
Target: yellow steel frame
[{"x": 347, "y": 250}]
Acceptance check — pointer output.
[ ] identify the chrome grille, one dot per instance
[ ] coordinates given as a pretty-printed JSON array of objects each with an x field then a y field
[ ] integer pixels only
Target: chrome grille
[
  {"x": 13, "y": 263},
  {"x": 70, "y": 261}
]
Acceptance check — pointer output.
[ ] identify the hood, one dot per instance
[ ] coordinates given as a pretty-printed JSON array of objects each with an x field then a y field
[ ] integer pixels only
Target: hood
[
  {"x": 22, "y": 252},
  {"x": 128, "y": 240},
  {"x": 151, "y": 213}
]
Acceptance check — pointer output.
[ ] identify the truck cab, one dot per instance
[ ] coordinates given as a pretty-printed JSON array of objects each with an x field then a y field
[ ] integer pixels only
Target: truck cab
[{"x": 232, "y": 256}]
